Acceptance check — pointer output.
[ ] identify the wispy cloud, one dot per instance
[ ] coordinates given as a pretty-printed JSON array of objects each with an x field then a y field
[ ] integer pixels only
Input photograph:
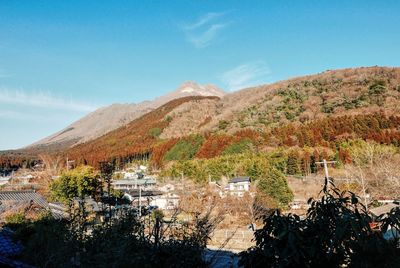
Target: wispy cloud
[
  {"x": 245, "y": 75},
  {"x": 205, "y": 29},
  {"x": 14, "y": 115},
  {"x": 44, "y": 100},
  {"x": 206, "y": 18},
  {"x": 204, "y": 39},
  {"x": 28, "y": 115}
]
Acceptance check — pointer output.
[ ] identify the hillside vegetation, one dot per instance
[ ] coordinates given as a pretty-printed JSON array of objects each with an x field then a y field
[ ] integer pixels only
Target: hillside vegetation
[
  {"x": 322, "y": 110},
  {"x": 303, "y": 99}
]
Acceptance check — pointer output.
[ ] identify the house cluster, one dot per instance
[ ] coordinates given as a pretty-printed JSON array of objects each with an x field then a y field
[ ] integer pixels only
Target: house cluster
[
  {"x": 20, "y": 181},
  {"x": 143, "y": 190}
]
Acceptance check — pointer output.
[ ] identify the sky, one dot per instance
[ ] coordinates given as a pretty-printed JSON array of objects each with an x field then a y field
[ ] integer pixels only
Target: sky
[{"x": 60, "y": 60}]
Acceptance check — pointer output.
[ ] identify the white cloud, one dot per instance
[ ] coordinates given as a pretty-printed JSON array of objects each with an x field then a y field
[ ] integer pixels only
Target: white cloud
[
  {"x": 42, "y": 100},
  {"x": 203, "y": 20},
  {"x": 245, "y": 75},
  {"x": 206, "y": 29},
  {"x": 204, "y": 39}
]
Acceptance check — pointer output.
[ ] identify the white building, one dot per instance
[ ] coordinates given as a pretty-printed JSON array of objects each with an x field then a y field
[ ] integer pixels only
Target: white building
[
  {"x": 146, "y": 183},
  {"x": 238, "y": 186},
  {"x": 167, "y": 201}
]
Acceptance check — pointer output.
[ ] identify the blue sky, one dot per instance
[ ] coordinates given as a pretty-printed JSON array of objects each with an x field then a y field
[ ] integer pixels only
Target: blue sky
[{"x": 60, "y": 60}]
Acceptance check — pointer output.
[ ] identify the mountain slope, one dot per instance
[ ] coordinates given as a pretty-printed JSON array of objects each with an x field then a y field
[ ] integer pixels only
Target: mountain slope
[
  {"x": 114, "y": 116},
  {"x": 302, "y": 99},
  {"x": 136, "y": 138},
  {"x": 268, "y": 114},
  {"x": 261, "y": 109}
]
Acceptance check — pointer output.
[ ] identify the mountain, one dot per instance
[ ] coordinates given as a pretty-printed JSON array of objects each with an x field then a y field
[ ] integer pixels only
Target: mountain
[
  {"x": 132, "y": 140},
  {"x": 114, "y": 116},
  {"x": 273, "y": 112},
  {"x": 313, "y": 110}
]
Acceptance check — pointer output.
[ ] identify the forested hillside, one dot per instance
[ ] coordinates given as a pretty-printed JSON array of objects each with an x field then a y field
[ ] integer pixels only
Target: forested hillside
[{"x": 322, "y": 110}]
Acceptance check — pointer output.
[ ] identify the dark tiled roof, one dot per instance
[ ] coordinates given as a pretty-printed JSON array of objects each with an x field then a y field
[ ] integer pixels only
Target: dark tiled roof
[
  {"x": 58, "y": 210},
  {"x": 23, "y": 196},
  {"x": 135, "y": 193},
  {"x": 8, "y": 247},
  {"x": 239, "y": 179}
]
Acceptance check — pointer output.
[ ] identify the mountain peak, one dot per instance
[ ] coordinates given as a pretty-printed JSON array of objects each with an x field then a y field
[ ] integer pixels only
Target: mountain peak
[{"x": 193, "y": 88}]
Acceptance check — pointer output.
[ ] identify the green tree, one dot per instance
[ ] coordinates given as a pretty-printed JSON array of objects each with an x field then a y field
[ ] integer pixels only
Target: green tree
[
  {"x": 274, "y": 184},
  {"x": 293, "y": 163},
  {"x": 80, "y": 182},
  {"x": 243, "y": 146},
  {"x": 185, "y": 149}
]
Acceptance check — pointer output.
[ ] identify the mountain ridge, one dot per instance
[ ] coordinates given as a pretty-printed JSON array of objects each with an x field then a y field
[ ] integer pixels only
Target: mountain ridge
[
  {"x": 108, "y": 118},
  {"x": 260, "y": 109}
]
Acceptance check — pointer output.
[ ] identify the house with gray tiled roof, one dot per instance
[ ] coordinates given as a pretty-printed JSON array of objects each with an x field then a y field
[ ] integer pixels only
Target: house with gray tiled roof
[{"x": 23, "y": 196}]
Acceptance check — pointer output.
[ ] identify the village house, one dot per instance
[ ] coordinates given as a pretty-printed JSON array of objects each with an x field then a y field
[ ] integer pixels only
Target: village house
[
  {"x": 238, "y": 186},
  {"x": 146, "y": 183},
  {"x": 15, "y": 200},
  {"x": 133, "y": 179},
  {"x": 166, "y": 201}
]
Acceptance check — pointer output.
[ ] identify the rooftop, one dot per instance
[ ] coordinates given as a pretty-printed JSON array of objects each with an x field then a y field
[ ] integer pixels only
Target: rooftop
[
  {"x": 383, "y": 209},
  {"x": 135, "y": 193},
  {"x": 239, "y": 179},
  {"x": 135, "y": 181},
  {"x": 23, "y": 196}
]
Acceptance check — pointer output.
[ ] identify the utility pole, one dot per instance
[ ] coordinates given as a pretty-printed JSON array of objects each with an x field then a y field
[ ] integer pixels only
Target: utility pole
[
  {"x": 325, "y": 163},
  {"x": 140, "y": 202}
]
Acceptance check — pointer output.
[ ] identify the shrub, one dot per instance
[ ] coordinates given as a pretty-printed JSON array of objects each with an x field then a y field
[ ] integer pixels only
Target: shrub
[
  {"x": 127, "y": 242},
  {"x": 327, "y": 108},
  {"x": 155, "y": 132},
  {"x": 16, "y": 219},
  {"x": 336, "y": 232},
  {"x": 377, "y": 88},
  {"x": 168, "y": 118},
  {"x": 222, "y": 124}
]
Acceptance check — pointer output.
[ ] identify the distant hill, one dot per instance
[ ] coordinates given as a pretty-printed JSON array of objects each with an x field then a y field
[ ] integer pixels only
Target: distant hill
[{"x": 114, "y": 116}]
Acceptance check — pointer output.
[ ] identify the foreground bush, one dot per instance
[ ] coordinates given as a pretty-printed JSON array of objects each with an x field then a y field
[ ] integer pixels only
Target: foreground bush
[
  {"x": 124, "y": 242},
  {"x": 336, "y": 232}
]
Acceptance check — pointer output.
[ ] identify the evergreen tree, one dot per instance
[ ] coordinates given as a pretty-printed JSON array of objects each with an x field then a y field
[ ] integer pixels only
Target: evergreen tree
[
  {"x": 293, "y": 163},
  {"x": 274, "y": 184}
]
